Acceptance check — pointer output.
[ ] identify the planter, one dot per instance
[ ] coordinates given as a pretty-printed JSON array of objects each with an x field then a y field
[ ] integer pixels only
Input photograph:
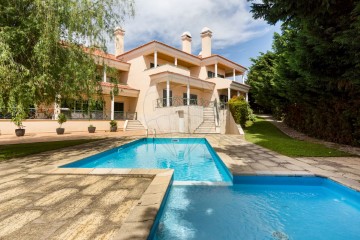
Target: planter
[
  {"x": 91, "y": 129},
  {"x": 60, "y": 131},
  {"x": 113, "y": 129},
  {"x": 20, "y": 132}
]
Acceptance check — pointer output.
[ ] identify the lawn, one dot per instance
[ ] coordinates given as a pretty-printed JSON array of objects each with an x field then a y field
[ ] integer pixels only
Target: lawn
[
  {"x": 265, "y": 134},
  {"x": 25, "y": 149}
]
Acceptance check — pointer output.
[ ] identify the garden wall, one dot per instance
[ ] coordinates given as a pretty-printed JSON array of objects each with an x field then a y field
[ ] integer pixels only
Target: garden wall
[{"x": 49, "y": 126}]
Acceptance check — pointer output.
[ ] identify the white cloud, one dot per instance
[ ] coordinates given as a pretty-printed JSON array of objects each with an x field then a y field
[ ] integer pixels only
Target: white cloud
[{"x": 230, "y": 21}]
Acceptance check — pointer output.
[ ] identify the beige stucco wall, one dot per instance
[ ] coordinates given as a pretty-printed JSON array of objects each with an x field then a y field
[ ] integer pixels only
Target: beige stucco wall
[
  {"x": 167, "y": 119},
  {"x": 227, "y": 123},
  {"x": 49, "y": 126}
]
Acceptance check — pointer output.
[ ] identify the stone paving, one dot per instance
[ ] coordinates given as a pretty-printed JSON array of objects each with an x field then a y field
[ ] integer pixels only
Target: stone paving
[
  {"x": 244, "y": 158},
  {"x": 40, "y": 201},
  {"x": 36, "y": 205}
]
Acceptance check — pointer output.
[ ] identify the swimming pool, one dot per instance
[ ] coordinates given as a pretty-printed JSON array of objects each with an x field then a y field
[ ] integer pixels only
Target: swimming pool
[
  {"x": 277, "y": 208},
  {"x": 193, "y": 159}
]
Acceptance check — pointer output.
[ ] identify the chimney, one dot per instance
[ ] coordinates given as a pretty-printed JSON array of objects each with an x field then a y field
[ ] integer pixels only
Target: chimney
[
  {"x": 206, "y": 35},
  {"x": 186, "y": 42},
  {"x": 119, "y": 41}
]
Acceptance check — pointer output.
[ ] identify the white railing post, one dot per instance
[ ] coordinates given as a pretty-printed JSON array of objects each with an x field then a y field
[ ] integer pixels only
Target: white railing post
[
  {"x": 168, "y": 92},
  {"x": 104, "y": 76},
  {"x": 155, "y": 59},
  {"x": 112, "y": 106},
  {"x": 188, "y": 94}
]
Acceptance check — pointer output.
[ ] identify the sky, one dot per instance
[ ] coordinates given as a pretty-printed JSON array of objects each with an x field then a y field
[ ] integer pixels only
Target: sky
[{"x": 236, "y": 35}]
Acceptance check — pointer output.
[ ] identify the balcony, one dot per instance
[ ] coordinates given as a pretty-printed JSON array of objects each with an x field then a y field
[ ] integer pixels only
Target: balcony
[
  {"x": 169, "y": 68},
  {"x": 179, "y": 101}
]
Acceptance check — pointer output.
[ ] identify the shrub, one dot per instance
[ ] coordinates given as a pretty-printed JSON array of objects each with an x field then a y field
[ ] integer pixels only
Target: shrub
[
  {"x": 61, "y": 119},
  {"x": 113, "y": 123},
  {"x": 241, "y": 111}
]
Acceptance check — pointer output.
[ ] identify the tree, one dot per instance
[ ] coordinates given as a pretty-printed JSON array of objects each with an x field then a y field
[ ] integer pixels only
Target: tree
[
  {"x": 317, "y": 65},
  {"x": 42, "y": 53}
]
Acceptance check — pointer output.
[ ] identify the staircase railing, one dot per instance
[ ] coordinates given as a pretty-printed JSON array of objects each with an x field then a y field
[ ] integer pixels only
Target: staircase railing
[{"x": 216, "y": 111}]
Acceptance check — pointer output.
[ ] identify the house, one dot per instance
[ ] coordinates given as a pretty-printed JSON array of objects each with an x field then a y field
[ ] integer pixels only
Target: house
[
  {"x": 169, "y": 89},
  {"x": 165, "y": 89}
]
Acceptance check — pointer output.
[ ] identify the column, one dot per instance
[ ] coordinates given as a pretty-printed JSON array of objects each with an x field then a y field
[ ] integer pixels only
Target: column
[
  {"x": 168, "y": 92},
  {"x": 175, "y": 62},
  {"x": 188, "y": 94},
  {"x": 234, "y": 75},
  {"x": 104, "y": 77},
  {"x": 216, "y": 70},
  {"x": 112, "y": 105},
  {"x": 155, "y": 59},
  {"x": 229, "y": 94},
  {"x": 238, "y": 93},
  {"x": 247, "y": 97},
  {"x": 242, "y": 78},
  {"x": 57, "y": 107}
]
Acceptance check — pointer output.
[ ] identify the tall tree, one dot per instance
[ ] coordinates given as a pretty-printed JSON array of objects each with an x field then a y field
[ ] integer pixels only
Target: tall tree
[
  {"x": 317, "y": 65},
  {"x": 42, "y": 48}
]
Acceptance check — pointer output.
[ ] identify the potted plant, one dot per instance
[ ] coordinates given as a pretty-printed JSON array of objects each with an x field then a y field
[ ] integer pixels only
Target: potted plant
[
  {"x": 20, "y": 131},
  {"x": 61, "y": 120},
  {"x": 91, "y": 128},
  {"x": 113, "y": 126}
]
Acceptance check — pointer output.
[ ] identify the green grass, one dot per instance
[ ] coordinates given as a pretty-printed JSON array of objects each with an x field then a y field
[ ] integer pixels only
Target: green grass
[
  {"x": 25, "y": 149},
  {"x": 267, "y": 135}
]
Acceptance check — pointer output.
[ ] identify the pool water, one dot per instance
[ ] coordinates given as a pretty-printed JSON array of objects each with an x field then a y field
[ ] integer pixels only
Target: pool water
[
  {"x": 277, "y": 208},
  {"x": 193, "y": 159}
]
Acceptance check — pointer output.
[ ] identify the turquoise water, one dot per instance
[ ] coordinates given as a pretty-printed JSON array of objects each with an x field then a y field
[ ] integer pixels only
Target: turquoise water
[
  {"x": 261, "y": 208},
  {"x": 192, "y": 159}
]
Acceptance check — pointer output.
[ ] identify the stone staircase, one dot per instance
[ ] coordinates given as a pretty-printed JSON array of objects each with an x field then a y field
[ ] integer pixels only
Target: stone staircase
[
  {"x": 208, "y": 124},
  {"x": 134, "y": 125}
]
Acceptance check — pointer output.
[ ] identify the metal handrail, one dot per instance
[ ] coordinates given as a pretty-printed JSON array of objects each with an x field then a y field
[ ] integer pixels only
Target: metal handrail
[{"x": 180, "y": 101}]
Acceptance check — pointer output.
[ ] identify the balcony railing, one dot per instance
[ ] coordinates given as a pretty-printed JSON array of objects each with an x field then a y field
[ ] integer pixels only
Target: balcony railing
[
  {"x": 179, "y": 101},
  {"x": 119, "y": 115},
  {"x": 82, "y": 114},
  {"x": 48, "y": 113},
  {"x": 33, "y": 113},
  {"x": 98, "y": 115}
]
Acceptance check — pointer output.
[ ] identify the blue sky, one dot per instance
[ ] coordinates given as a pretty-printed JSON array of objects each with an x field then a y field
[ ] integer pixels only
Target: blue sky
[{"x": 236, "y": 35}]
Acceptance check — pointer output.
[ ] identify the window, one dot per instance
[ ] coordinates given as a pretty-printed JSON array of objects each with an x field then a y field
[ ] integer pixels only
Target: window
[
  {"x": 211, "y": 74},
  {"x": 152, "y": 65},
  {"x": 221, "y": 76},
  {"x": 193, "y": 99},
  {"x": 164, "y": 98}
]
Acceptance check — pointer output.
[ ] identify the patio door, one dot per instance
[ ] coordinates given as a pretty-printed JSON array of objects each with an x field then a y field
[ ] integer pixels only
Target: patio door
[{"x": 118, "y": 110}]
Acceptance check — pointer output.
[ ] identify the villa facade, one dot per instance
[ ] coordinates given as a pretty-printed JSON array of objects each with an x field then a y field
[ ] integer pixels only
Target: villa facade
[
  {"x": 163, "y": 88},
  {"x": 167, "y": 88}
]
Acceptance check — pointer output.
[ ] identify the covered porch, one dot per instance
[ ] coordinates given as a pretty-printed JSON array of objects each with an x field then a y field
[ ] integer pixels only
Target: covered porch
[{"x": 122, "y": 105}]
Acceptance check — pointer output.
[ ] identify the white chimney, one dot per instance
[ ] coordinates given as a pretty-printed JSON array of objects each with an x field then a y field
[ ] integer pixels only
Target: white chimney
[
  {"x": 206, "y": 35},
  {"x": 186, "y": 42},
  {"x": 119, "y": 41}
]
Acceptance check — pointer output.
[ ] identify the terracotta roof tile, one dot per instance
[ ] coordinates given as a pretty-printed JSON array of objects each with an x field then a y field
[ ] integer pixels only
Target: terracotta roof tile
[{"x": 107, "y": 84}]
